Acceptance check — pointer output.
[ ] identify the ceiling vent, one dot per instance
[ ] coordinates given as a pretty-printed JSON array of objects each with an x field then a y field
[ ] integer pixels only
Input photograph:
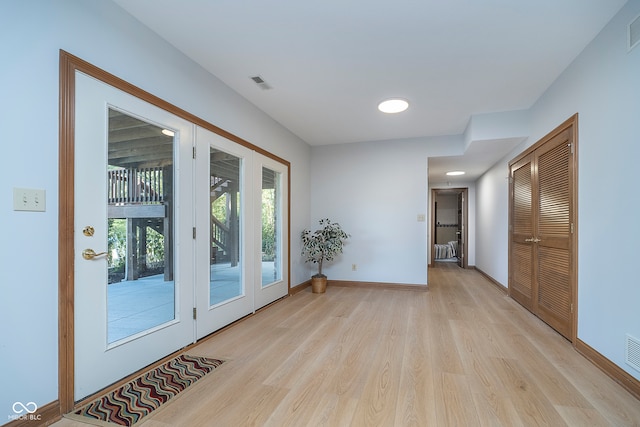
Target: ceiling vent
[
  {"x": 634, "y": 33},
  {"x": 260, "y": 82}
]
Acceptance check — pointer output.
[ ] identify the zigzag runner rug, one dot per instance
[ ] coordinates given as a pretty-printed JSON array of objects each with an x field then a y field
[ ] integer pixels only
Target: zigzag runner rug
[{"x": 136, "y": 399}]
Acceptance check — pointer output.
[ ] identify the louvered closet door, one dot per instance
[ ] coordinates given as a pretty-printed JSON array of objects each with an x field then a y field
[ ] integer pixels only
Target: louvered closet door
[
  {"x": 541, "y": 270},
  {"x": 553, "y": 230},
  {"x": 521, "y": 270}
]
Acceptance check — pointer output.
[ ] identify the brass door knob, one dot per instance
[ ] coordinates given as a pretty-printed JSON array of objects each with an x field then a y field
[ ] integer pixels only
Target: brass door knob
[{"x": 91, "y": 254}]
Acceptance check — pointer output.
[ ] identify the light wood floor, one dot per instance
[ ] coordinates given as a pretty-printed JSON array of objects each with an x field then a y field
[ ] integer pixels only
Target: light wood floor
[{"x": 460, "y": 354}]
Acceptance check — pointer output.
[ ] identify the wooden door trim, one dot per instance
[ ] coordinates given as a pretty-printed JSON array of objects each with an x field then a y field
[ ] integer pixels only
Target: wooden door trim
[
  {"x": 68, "y": 65},
  {"x": 570, "y": 123}
]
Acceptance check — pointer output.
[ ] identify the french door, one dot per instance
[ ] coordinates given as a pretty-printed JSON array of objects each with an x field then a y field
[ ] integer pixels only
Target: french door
[
  {"x": 241, "y": 238},
  {"x": 270, "y": 220},
  {"x": 178, "y": 232},
  {"x": 223, "y": 219},
  {"x": 133, "y": 214}
]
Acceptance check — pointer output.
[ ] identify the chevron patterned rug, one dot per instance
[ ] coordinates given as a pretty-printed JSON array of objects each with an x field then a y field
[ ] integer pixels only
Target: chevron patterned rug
[{"x": 128, "y": 404}]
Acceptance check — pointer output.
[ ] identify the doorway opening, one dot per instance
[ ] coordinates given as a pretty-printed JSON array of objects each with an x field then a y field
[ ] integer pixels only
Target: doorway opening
[{"x": 449, "y": 216}]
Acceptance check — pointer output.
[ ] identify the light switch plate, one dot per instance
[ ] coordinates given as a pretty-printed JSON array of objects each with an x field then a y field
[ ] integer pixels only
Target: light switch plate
[{"x": 29, "y": 199}]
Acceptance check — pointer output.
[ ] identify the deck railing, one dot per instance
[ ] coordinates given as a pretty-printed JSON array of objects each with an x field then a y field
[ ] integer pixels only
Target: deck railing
[
  {"x": 220, "y": 233},
  {"x": 136, "y": 186}
]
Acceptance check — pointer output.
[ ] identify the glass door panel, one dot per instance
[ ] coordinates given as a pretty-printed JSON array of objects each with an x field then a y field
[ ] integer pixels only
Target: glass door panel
[
  {"x": 141, "y": 290},
  {"x": 224, "y": 231},
  {"x": 271, "y": 228}
]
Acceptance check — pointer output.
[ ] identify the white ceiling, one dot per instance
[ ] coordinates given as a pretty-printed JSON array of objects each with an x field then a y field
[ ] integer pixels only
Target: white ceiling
[{"x": 330, "y": 62}]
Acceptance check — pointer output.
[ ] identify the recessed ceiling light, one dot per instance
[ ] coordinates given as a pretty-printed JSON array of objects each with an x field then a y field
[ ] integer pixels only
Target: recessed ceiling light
[
  {"x": 395, "y": 105},
  {"x": 454, "y": 173}
]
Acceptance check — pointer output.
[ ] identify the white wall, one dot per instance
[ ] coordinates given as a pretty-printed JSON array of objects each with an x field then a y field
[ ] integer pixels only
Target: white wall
[
  {"x": 376, "y": 191},
  {"x": 492, "y": 221},
  {"x": 494, "y": 126},
  {"x": 100, "y": 32},
  {"x": 447, "y": 209},
  {"x": 602, "y": 85}
]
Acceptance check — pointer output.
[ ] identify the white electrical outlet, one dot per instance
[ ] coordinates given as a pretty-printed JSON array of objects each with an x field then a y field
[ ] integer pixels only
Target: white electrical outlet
[
  {"x": 354, "y": 267},
  {"x": 29, "y": 199}
]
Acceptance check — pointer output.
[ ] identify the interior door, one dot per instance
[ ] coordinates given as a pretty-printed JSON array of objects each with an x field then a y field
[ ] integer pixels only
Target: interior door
[
  {"x": 522, "y": 256},
  {"x": 460, "y": 232},
  {"x": 542, "y": 216},
  {"x": 133, "y": 263},
  {"x": 553, "y": 232},
  {"x": 224, "y": 208}
]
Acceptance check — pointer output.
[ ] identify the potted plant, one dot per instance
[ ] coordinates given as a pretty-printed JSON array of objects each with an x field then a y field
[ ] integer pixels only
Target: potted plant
[{"x": 320, "y": 246}]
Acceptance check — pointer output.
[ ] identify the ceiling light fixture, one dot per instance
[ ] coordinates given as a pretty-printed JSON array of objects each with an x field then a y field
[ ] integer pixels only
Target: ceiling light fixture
[
  {"x": 168, "y": 132},
  {"x": 455, "y": 173},
  {"x": 394, "y": 105}
]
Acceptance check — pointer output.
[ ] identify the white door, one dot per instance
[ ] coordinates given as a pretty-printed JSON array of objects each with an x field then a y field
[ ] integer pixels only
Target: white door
[
  {"x": 242, "y": 243},
  {"x": 224, "y": 273},
  {"x": 133, "y": 209},
  {"x": 271, "y": 230}
]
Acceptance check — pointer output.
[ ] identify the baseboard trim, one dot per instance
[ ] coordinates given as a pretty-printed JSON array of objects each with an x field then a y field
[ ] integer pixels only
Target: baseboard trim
[
  {"x": 619, "y": 375},
  {"x": 377, "y": 285},
  {"x": 355, "y": 284},
  {"x": 493, "y": 281},
  {"x": 44, "y": 416},
  {"x": 299, "y": 288}
]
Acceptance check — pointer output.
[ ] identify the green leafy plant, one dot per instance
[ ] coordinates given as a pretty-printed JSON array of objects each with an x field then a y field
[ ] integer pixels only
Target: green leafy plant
[{"x": 323, "y": 244}]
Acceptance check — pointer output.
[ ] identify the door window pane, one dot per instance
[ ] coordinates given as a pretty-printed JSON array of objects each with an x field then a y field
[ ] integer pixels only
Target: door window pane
[
  {"x": 225, "y": 212},
  {"x": 140, "y": 290},
  {"x": 271, "y": 227}
]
